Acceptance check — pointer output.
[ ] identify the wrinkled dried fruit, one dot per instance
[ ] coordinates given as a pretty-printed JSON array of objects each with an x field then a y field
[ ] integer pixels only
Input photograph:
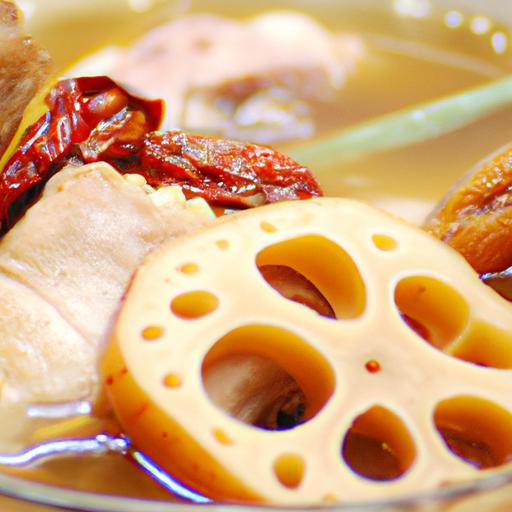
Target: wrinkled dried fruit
[{"x": 475, "y": 218}]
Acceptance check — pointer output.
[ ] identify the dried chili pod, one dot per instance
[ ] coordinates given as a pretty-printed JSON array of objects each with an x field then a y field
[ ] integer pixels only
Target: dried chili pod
[
  {"x": 93, "y": 119},
  {"x": 225, "y": 172},
  {"x": 77, "y": 108}
]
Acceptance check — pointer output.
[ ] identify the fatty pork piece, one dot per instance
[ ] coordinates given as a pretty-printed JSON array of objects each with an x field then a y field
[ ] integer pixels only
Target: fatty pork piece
[
  {"x": 63, "y": 270},
  {"x": 249, "y": 80},
  {"x": 24, "y": 67}
]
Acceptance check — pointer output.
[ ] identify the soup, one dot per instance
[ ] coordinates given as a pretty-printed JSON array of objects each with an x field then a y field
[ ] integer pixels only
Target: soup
[{"x": 407, "y": 60}]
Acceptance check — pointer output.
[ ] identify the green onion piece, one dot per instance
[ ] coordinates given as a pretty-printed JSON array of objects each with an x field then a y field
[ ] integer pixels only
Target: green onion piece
[{"x": 410, "y": 125}]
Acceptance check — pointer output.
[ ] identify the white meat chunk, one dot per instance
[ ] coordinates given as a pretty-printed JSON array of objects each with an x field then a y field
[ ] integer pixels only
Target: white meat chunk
[
  {"x": 248, "y": 79},
  {"x": 24, "y": 67},
  {"x": 42, "y": 357},
  {"x": 63, "y": 270}
]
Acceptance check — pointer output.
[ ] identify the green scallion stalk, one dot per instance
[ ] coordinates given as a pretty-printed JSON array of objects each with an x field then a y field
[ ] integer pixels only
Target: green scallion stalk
[{"x": 410, "y": 125}]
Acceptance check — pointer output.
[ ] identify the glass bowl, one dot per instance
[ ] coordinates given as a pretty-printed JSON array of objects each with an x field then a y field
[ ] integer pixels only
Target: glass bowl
[{"x": 71, "y": 29}]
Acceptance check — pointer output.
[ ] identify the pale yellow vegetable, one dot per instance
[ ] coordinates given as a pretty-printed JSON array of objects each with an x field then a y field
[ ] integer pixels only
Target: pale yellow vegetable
[{"x": 396, "y": 375}]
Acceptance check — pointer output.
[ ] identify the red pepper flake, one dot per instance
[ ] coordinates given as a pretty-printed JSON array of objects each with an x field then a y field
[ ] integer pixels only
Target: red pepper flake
[
  {"x": 109, "y": 380},
  {"x": 373, "y": 366}
]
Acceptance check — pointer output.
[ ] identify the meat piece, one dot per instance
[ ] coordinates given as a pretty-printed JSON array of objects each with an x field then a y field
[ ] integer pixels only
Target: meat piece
[
  {"x": 249, "y": 80},
  {"x": 63, "y": 270},
  {"x": 24, "y": 67},
  {"x": 42, "y": 357}
]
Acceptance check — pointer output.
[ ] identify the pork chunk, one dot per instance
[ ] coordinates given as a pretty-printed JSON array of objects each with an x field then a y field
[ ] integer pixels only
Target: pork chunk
[{"x": 24, "y": 67}]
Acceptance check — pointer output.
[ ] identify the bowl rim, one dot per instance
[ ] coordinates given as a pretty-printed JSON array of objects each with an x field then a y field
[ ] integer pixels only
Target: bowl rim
[{"x": 54, "y": 496}]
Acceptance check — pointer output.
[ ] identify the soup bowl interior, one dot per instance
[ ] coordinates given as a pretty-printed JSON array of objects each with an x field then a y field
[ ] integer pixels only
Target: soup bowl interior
[{"x": 422, "y": 49}]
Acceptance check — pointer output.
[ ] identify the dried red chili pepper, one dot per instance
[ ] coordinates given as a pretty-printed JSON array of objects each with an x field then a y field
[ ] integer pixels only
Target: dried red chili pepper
[
  {"x": 93, "y": 119},
  {"x": 225, "y": 172},
  {"x": 77, "y": 108}
]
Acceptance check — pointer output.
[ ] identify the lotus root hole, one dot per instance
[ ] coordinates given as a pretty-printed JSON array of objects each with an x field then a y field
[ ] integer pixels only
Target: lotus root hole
[
  {"x": 378, "y": 446},
  {"x": 221, "y": 436},
  {"x": 189, "y": 268},
  {"x": 317, "y": 273},
  {"x": 195, "y": 304},
  {"x": 222, "y": 244},
  {"x": 432, "y": 309},
  {"x": 384, "y": 242},
  {"x": 330, "y": 499},
  {"x": 485, "y": 345},
  {"x": 289, "y": 469},
  {"x": 268, "y": 227},
  {"x": 152, "y": 332},
  {"x": 172, "y": 380},
  {"x": 475, "y": 430},
  {"x": 267, "y": 377}
]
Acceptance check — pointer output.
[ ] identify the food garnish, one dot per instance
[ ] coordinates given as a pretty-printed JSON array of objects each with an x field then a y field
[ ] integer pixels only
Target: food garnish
[
  {"x": 90, "y": 111},
  {"x": 410, "y": 125}
]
